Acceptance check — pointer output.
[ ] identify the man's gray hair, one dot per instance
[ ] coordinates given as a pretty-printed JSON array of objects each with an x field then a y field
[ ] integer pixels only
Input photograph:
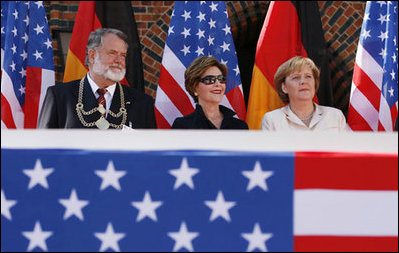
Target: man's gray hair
[{"x": 96, "y": 40}]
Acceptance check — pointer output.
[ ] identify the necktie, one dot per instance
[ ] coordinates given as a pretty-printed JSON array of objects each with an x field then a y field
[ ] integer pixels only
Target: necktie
[{"x": 101, "y": 100}]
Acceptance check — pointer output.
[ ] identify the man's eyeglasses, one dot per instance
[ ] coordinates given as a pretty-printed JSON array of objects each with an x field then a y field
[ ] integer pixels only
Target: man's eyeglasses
[{"x": 212, "y": 79}]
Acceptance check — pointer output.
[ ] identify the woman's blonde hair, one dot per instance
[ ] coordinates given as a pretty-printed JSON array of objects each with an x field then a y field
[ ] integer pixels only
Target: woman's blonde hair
[
  {"x": 285, "y": 69},
  {"x": 197, "y": 68}
]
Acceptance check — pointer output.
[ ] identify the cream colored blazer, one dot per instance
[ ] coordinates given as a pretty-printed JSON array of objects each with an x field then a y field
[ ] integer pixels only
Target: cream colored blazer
[{"x": 324, "y": 118}]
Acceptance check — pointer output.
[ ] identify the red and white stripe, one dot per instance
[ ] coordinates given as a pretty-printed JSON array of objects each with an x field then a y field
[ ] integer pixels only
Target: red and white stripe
[
  {"x": 346, "y": 202},
  {"x": 368, "y": 108},
  {"x": 12, "y": 114},
  {"x": 172, "y": 99}
]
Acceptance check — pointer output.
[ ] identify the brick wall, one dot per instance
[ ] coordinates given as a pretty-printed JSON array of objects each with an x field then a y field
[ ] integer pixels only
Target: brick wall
[{"x": 341, "y": 23}]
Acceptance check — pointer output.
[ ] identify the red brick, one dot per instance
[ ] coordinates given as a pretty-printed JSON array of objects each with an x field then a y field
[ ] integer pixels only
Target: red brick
[
  {"x": 156, "y": 49},
  {"x": 146, "y": 42},
  {"x": 68, "y": 15},
  {"x": 349, "y": 11}
]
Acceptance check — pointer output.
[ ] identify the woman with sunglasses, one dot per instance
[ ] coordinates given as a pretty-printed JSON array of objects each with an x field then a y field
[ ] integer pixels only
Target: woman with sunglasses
[{"x": 205, "y": 81}]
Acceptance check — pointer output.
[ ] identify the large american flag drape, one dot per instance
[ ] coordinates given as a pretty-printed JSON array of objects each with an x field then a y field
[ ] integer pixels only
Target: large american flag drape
[
  {"x": 374, "y": 94},
  {"x": 27, "y": 66},
  {"x": 83, "y": 200},
  {"x": 196, "y": 29}
]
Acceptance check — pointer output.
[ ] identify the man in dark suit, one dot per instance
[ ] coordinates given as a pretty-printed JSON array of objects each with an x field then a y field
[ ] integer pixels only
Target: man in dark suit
[{"x": 98, "y": 100}]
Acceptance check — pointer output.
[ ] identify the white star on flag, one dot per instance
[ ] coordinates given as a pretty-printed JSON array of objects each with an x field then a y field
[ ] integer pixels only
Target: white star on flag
[
  {"x": 38, "y": 55},
  {"x": 12, "y": 66},
  {"x": 110, "y": 177},
  {"x": 14, "y": 49},
  {"x": 6, "y": 205},
  {"x": 38, "y": 29},
  {"x": 38, "y": 175},
  {"x": 109, "y": 239},
  {"x": 14, "y": 31},
  {"x": 21, "y": 89},
  {"x": 200, "y": 51},
  {"x": 22, "y": 72},
  {"x": 186, "y": 15},
  {"x": 226, "y": 30},
  {"x": 366, "y": 34},
  {"x": 201, "y": 17},
  {"x": 73, "y": 206},
  {"x": 185, "y": 50},
  {"x": 256, "y": 239},
  {"x": 39, "y": 4},
  {"x": 171, "y": 30},
  {"x": 220, "y": 207},
  {"x": 15, "y": 14},
  {"x": 26, "y": 20},
  {"x": 48, "y": 43},
  {"x": 183, "y": 238},
  {"x": 186, "y": 32},
  {"x": 257, "y": 177},
  {"x": 213, "y": 7},
  {"x": 25, "y": 37},
  {"x": 391, "y": 91},
  {"x": 184, "y": 175},
  {"x": 147, "y": 207},
  {"x": 37, "y": 238},
  {"x": 210, "y": 40},
  {"x": 212, "y": 23},
  {"x": 225, "y": 46},
  {"x": 24, "y": 55},
  {"x": 237, "y": 70},
  {"x": 200, "y": 34}
]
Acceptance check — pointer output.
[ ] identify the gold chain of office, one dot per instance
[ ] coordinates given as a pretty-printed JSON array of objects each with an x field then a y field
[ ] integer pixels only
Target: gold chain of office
[{"x": 101, "y": 123}]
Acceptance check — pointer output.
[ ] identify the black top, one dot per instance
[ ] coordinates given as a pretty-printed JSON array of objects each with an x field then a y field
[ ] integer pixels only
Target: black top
[
  {"x": 59, "y": 107},
  {"x": 198, "y": 120}
]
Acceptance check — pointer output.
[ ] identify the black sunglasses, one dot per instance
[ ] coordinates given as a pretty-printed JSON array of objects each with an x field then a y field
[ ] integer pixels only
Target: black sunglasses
[{"x": 212, "y": 79}]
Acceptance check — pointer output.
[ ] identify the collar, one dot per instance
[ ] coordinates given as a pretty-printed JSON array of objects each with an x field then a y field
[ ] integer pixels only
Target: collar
[
  {"x": 94, "y": 86},
  {"x": 224, "y": 110},
  {"x": 317, "y": 115}
]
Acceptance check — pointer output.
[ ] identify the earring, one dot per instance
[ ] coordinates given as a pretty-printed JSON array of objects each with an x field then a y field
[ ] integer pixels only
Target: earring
[{"x": 196, "y": 94}]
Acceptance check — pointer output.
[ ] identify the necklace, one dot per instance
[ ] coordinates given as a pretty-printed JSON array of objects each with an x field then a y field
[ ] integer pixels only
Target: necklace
[
  {"x": 307, "y": 117},
  {"x": 101, "y": 123}
]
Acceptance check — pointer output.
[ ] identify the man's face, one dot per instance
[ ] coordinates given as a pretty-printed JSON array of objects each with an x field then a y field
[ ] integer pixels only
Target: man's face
[{"x": 110, "y": 58}]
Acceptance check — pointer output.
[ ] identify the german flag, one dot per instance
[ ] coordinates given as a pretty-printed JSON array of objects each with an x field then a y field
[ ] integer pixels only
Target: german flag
[
  {"x": 105, "y": 14},
  {"x": 290, "y": 29}
]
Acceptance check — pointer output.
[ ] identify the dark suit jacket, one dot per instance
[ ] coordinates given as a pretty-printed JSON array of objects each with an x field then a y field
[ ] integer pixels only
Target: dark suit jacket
[
  {"x": 198, "y": 120},
  {"x": 59, "y": 107}
]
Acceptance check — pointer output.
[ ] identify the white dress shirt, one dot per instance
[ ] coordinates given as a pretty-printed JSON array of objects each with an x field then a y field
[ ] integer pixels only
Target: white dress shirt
[
  {"x": 324, "y": 118},
  {"x": 108, "y": 96}
]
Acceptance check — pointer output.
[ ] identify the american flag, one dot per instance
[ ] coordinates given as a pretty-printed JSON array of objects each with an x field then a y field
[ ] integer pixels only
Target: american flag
[
  {"x": 374, "y": 94},
  {"x": 27, "y": 67},
  {"x": 198, "y": 200},
  {"x": 196, "y": 29}
]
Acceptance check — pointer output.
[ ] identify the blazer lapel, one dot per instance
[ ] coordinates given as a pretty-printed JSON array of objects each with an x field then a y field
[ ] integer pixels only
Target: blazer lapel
[
  {"x": 317, "y": 116},
  {"x": 292, "y": 117}
]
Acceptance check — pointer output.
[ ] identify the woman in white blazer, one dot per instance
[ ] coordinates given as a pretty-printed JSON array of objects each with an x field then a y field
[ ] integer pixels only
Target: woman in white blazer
[{"x": 297, "y": 81}]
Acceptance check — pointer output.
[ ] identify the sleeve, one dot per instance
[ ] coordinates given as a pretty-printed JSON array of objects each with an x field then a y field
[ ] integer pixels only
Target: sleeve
[
  {"x": 147, "y": 108},
  {"x": 48, "y": 116},
  {"x": 342, "y": 122},
  {"x": 151, "y": 122},
  {"x": 266, "y": 123},
  {"x": 244, "y": 125},
  {"x": 178, "y": 124}
]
